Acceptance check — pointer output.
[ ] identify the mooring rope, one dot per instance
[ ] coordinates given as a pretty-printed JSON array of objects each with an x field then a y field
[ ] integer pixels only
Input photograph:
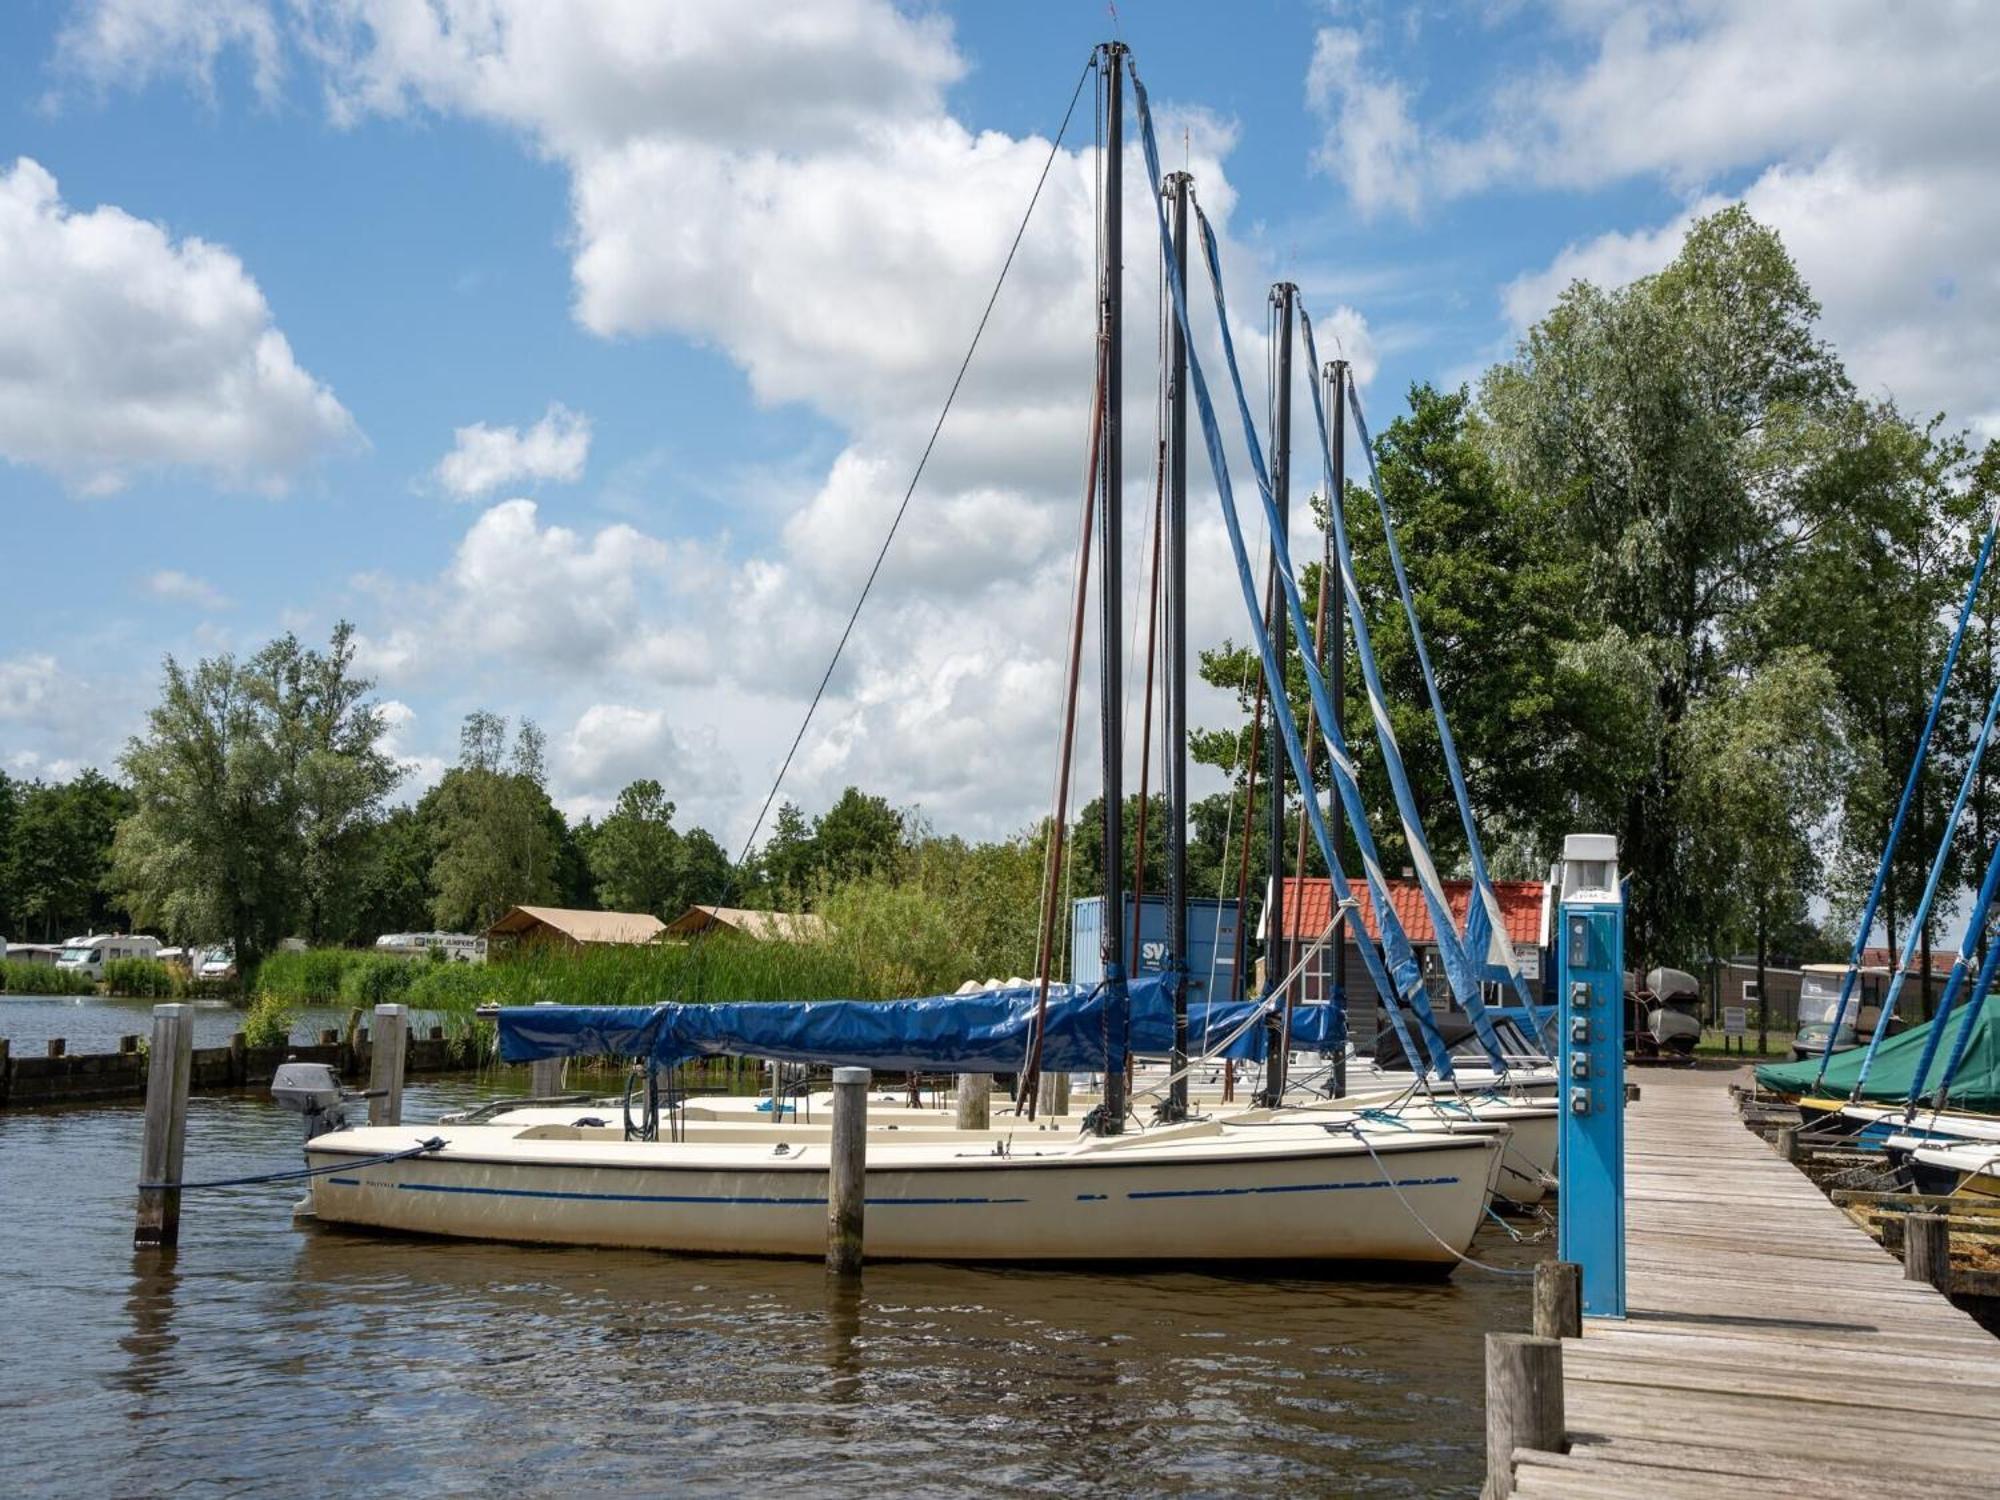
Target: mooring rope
[
  {"x": 1390, "y": 1178},
  {"x": 422, "y": 1148}
]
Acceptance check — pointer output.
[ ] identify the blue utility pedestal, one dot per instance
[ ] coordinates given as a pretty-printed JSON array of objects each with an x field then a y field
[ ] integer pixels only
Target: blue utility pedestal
[{"x": 1591, "y": 1025}]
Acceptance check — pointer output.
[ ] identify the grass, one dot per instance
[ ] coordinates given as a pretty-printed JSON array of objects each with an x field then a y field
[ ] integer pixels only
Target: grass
[
  {"x": 1775, "y": 1045},
  {"x": 20, "y": 978},
  {"x": 145, "y": 979}
]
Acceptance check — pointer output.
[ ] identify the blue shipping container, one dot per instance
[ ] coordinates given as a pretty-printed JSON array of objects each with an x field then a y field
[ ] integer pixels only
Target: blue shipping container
[{"x": 1211, "y": 943}]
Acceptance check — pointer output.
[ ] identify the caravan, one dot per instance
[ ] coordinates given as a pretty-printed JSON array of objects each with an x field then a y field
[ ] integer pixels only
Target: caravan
[{"x": 88, "y": 955}]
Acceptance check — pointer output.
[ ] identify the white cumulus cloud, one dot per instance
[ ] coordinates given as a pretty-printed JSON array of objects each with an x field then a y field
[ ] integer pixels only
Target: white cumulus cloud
[
  {"x": 483, "y": 458},
  {"x": 184, "y": 588},
  {"x": 122, "y": 348}
]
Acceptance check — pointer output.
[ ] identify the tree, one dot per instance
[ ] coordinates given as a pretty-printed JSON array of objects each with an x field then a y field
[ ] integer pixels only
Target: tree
[
  {"x": 1682, "y": 428},
  {"x": 256, "y": 785},
  {"x": 57, "y": 855},
  {"x": 858, "y": 835},
  {"x": 1767, "y": 755},
  {"x": 392, "y": 892},
  {"x": 636, "y": 853},
  {"x": 496, "y": 834},
  {"x": 212, "y": 846},
  {"x": 788, "y": 854},
  {"x": 330, "y": 737}
]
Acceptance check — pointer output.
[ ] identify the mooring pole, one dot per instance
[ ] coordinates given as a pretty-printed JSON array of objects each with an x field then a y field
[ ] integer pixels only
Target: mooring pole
[
  {"x": 545, "y": 1074},
  {"x": 1110, "y": 588},
  {"x": 164, "y": 1142},
  {"x": 1927, "y": 1249},
  {"x": 1275, "y": 961},
  {"x": 1053, "y": 1099},
  {"x": 1524, "y": 1404},
  {"x": 388, "y": 1038},
  {"x": 1558, "y": 1300},
  {"x": 846, "y": 1171},
  {"x": 1335, "y": 653},
  {"x": 973, "y": 1106}
]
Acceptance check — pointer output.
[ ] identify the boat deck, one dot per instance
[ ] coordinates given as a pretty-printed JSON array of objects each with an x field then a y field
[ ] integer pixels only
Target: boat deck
[{"x": 1769, "y": 1340}]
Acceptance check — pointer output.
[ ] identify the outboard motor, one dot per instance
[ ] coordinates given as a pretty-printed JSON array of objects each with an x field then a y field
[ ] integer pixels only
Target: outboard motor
[{"x": 310, "y": 1089}]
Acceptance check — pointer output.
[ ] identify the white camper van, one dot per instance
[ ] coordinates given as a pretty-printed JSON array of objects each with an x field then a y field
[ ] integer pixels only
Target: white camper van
[{"x": 88, "y": 955}]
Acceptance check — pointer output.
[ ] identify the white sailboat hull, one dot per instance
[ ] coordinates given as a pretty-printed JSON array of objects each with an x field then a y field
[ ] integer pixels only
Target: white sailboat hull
[{"x": 1282, "y": 1196}]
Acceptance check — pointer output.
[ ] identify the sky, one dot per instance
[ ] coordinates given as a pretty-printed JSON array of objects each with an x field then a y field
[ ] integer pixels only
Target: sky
[{"x": 579, "y": 354}]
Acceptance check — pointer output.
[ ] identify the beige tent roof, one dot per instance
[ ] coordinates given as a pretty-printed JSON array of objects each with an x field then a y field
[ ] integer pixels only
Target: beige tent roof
[
  {"x": 579, "y": 926},
  {"x": 789, "y": 926}
]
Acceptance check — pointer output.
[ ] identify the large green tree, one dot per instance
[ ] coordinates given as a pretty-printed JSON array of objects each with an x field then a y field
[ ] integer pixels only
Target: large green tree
[
  {"x": 55, "y": 855},
  {"x": 497, "y": 837},
  {"x": 636, "y": 854},
  {"x": 255, "y": 784}
]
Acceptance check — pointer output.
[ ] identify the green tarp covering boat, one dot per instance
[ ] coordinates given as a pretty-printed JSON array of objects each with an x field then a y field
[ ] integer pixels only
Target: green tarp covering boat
[{"x": 1977, "y": 1086}]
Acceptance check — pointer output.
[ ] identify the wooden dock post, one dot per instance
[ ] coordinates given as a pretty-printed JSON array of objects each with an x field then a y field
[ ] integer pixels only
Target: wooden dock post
[
  {"x": 975, "y": 1101},
  {"x": 1054, "y": 1100},
  {"x": 1558, "y": 1300},
  {"x": 58, "y": 1046},
  {"x": 847, "y": 1171},
  {"x": 1524, "y": 1404},
  {"x": 164, "y": 1142},
  {"x": 1927, "y": 1249},
  {"x": 545, "y": 1075},
  {"x": 388, "y": 1038},
  {"x": 1788, "y": 1143}
]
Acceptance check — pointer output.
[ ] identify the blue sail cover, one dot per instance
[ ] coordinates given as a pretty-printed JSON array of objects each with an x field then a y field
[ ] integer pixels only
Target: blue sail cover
[{"x": 980, "y": 1033}]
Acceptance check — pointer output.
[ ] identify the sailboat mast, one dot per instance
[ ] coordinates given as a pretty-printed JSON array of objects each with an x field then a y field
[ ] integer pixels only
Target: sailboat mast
[
  {"x": 1275, "y": 947},
  {"x": 1336, "y": 666},
  {"x": 1110, "y": 589},
  {"x": 1176, "y": 676}
]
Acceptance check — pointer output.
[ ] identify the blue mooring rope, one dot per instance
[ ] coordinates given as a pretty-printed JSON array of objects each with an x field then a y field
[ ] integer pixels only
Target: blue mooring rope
[{"x": 423, "y": 1148}]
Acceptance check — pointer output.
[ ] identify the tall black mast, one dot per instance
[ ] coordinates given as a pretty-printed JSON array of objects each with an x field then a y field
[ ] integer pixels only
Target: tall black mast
[
  {"x": 1275, "y": 948},
  {"x": 1334, "y": 659},
  {"x": 1111, "y": 639},
  {"x": 1176, "y": 675}
]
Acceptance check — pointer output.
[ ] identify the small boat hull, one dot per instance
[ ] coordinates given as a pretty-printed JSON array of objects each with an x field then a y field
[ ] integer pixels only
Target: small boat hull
[{"x": 1277, "y": 1198}]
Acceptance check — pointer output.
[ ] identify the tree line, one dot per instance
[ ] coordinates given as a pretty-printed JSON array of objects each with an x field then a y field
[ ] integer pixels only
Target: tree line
[{"x": 1680, "y": 579}]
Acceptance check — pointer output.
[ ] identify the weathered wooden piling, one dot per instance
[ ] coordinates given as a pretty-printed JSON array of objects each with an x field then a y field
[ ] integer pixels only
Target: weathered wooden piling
[
  {"x": 57, "y": 1046},
  {"x": 128, "y": 1044},
  {"x": 975, "y": 1101},
  {"x": 1559, "y": 1300},
  {"x": 1927, "y": 1249},
  {"x": 388, "y": 1041},
  {"x": 163, "y": 1144},
  {"x": 1524, "y": 1404},
  {"x": 1788, "y": 1142},
  {"x": 1054, "y": 1099},
  {"x": 847, "y": 1171},
  {"x": 545, "y": 1075}
]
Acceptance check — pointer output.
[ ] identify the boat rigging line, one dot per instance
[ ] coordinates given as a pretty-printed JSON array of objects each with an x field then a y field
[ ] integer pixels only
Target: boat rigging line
[{"x": 882, "y": 553}]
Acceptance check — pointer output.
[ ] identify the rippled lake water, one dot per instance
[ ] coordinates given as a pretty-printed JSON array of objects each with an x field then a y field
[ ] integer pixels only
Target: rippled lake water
[{"x": 264, "y": 1357}]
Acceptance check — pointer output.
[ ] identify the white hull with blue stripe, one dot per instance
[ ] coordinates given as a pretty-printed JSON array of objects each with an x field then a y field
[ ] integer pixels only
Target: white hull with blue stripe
[{"x": 1189, "y": 1193}]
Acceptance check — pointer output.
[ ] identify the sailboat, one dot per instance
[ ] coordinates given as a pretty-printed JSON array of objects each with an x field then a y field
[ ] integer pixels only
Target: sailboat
[{"x": 1275, "y": 1184}]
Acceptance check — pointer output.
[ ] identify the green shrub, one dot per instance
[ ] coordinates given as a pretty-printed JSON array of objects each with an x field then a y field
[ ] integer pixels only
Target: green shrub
[
  {"x": 145, "y": 978},
  {"x": 375, "y": 979},
  {"x": 19, "y": 977},
  {"x": 269, "y": 1021}
]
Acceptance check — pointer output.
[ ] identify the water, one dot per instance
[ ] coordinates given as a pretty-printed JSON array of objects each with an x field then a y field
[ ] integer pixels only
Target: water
[
  {"x": 264, "y": 1357},
  {"x": 94, "y": 1023}
]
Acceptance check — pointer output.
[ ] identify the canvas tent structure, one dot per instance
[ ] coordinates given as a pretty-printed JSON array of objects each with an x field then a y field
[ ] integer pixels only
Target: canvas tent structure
[
  {"x": 557, "y": 924},
  {"x": 1976, "y": 1088},
  {"x": 765, "y": 926}
]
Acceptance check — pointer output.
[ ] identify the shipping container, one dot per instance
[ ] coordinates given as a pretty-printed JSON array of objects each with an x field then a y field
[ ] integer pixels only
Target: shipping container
[{"x": 1211, "y": 943}]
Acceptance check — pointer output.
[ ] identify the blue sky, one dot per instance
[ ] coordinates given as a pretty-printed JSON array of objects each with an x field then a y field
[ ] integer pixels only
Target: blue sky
[{"x": 683, "y": 284}]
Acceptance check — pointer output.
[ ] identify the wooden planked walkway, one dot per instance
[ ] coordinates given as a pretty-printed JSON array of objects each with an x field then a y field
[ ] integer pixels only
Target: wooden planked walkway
[{"x": 1769, "y": 1341}]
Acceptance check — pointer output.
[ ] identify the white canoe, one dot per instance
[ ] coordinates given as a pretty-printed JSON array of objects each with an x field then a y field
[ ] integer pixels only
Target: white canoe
[{"x": 1190, "y": 1193}]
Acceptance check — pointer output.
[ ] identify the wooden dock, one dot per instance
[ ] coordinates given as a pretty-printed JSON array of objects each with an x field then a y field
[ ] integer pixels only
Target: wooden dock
[{"x": 1769, "y": 1342}]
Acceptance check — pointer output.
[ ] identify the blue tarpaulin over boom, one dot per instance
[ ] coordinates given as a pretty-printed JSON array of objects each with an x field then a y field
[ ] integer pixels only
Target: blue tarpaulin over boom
[{"x": 981, "y": 1033}]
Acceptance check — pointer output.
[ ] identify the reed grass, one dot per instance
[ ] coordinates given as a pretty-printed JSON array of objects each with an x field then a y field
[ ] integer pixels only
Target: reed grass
[
  {"x": 18, "y": 977},
  {"x": 145, "y": 979}
]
